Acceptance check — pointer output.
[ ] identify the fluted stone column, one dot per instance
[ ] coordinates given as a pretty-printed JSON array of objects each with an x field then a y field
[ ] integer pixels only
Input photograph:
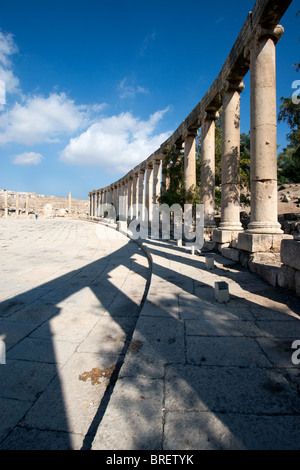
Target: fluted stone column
[
  {"x": 230, "y": 200},
  {"x": 141, "y": 197},
  {"x": 208, "y": 168},
  {"x": 190, "y": 160},
  {"x": 149, "y": 191},
  {"x": 263, "y": 231}
]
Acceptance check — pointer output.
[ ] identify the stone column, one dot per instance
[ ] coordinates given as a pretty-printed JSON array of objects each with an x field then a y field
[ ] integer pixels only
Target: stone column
[
  {"x": 208, "y": 168},
  {"x": 117, "y": 192},
  {"x": 156, "y": 180},
  {"x": 230, "y": 202},
  {"x": 135, "y": 194},
  {"x": 123, "y": 202},
  {"x": 149, "y": 190},
  {"x": 141, "y": 193},
  {"x": 190, "y": 160},
  {"x": 129, "y": 196},
  {"x": 94, "y": 205},
  {"x": 90, "y": 204},
  {"x": 101, "y": 198},
  {"x": 17, "y": 204},
  {"x": 263, "y": 230},
  {"x": 26, "y": 205}
]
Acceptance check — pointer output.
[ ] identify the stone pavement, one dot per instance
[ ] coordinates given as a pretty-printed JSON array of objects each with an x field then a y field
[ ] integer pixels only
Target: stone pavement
[
  {"x": 92, "y": 363},
  {"x": 70, "y": 297}
]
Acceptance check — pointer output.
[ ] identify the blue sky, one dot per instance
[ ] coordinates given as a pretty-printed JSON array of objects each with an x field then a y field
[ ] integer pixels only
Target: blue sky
[{"x": 94, "y": 87}]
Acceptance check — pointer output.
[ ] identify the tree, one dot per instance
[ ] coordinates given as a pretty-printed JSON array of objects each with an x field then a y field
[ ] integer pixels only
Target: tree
[
  {"x": 245, "y": 160},
  {"x": 289, "y": 159},
  {"x": 173, "y": 169}
]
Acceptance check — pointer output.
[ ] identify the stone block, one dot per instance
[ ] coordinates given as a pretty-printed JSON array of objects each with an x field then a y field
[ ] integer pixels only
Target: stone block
[
  {"x": 222, "y": 292},
  {"x": 290, "y": 253},
  {"x": 286, "y": 277},
  {"x": 262, "y": 242},
  {"x": 209, "y": 262},
  {"x": 220, "y": 236},
  {"x": 230, "y": 253},
  {"x": 267, "y": 272},
  {"x": 122, "y": 226}
]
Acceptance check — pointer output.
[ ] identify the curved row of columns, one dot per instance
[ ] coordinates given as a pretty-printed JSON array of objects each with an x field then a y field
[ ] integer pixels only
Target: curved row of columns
[{"x": 143, "y": 185}]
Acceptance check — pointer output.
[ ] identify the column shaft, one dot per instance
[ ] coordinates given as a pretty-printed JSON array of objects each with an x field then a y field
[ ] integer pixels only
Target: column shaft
[
  {"x": 190, "y": 161},
  {"x": 141, "y": 193},
  {"x": 230, "y": 202},
  {"x": 156, "y": 180},
  {"x": 263, "y": 153},
  {"x": 208, "y": 169},
  {"x": 149, "y": 191}
]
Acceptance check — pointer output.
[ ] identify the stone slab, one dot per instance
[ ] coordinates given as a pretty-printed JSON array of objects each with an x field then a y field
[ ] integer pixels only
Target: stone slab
[
  {"x": 134, "y": 421},
  {"x": 216, "y": 431},
  {"x": 261, "y": 242},
  {"x": 225, "y": 351},
  {"x": 230, "y": 390},
  {"x": 290, "y": 253}
]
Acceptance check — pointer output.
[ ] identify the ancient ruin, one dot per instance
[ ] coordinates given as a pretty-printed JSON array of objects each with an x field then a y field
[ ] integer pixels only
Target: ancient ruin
[
  {"x": 26, "y": 204},
  {"x": 254, "y": 50}
]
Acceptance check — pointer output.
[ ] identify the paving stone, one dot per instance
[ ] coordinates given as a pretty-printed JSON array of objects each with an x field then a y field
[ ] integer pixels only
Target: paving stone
[
  {"x": 230, "y": 390},
  {"x": 225, "y": 351},
  {"x": 215, "y": 431},
  {"x": 134, "y": 421}
]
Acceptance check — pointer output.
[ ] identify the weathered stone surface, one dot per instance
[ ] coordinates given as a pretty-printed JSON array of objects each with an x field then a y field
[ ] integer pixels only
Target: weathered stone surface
[
  {"x": 253, "y": 242},
  {"x": 230, "y": 253},
  {"x": 286, "y": 277},
  {"x": 269, "y": 273},
  {"x": 290, "y": 253}
]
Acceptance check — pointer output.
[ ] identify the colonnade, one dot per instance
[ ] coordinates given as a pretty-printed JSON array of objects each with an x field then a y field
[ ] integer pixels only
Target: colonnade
[{"x": 255, "y": 49}]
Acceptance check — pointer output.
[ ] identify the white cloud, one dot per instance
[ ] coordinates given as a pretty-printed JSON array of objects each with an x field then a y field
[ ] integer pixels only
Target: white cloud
[
  {"x": 117, "y": 143},
  {"x": 8, "y": 48},
  {"x": 41, "y": 119},
  {"x": 128, "y": 88},
  {"x": 28, "y": 158}
]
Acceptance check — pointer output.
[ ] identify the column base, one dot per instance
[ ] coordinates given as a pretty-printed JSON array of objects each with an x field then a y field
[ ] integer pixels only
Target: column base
[
  {"x": 264, "y": 228},
  {"x": 226, "y": 236},
  {"x": 261, "y": 242},
  {"x": 209, "y": 230}
]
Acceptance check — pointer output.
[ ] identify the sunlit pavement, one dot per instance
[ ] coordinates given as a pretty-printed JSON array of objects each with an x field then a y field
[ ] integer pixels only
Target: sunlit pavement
[
  {"x": 92, "y": 364},
  {"x": 70, "y": 297}
]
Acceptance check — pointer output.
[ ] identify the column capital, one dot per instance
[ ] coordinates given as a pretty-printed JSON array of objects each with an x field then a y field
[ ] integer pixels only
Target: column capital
[
  {"x": 260, "y": 32},
  {"x": 210, "y": 115},
  {"x": 233, "y": 85},
  {"x": 192, "y": 132}
]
